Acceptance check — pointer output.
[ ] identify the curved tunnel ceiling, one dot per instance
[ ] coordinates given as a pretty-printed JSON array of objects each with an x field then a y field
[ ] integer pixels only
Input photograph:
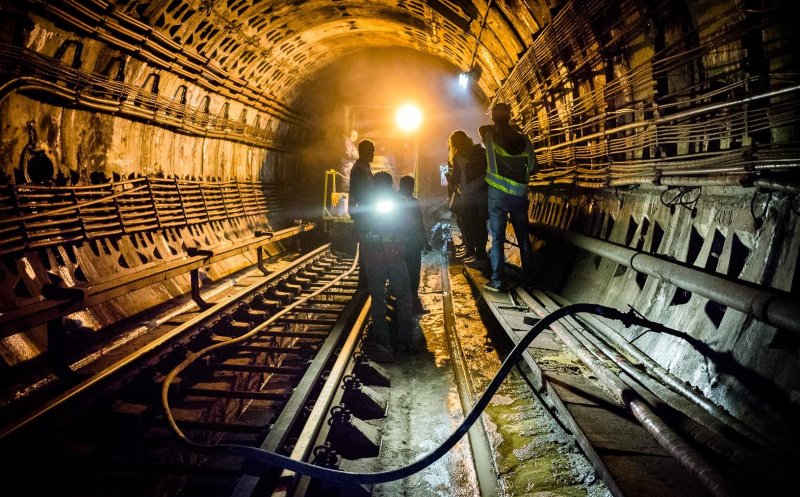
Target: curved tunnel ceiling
[
  {"x": 278, "y": 44},
  {"x": 608, "y": 91}
]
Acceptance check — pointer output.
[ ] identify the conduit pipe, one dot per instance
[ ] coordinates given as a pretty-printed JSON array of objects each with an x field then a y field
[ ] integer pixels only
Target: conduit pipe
[
  {"x": 125, "y": 108},
  {"x": 672, "y": 442},
  {"x": 778, "y": 186},
  {"x": 770, "y": 306},
  {"x": 663, "y": 375},
  {"x": 708, "y": 430},
  {"x": 726, "y": 180},
  {"x": 158, "y": 50}
]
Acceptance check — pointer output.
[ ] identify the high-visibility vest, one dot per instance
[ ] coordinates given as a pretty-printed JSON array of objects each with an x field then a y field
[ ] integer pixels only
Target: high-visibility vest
[{"x": 499, "y": 162}]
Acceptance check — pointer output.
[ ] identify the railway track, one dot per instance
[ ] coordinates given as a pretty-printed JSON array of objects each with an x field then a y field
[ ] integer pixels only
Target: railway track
[{"x": 263, "y": 368}]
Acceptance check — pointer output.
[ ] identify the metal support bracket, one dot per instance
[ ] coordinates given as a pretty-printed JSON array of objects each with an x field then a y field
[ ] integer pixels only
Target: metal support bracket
[
  {"x": 260, "y": 251},
  {"x": 56, "y": 350},
  {"x": 195, "y": 251},
  {"x": 261, "y": 266},
  {"x": 195, "y": 275},
  {"x": 202, "y": 304}
]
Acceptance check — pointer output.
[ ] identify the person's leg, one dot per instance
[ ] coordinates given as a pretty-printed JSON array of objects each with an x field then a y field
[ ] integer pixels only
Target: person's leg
[
  {"x": 414, "y": 265},
  {"x": 362, "y": 270},
  {"x": 398, "y": 279},
  {"x": 497, "y": 223},
  {"x": 480, "y": 232},
  {"x": 375, "y": 265},
  {"x": 522, "y": 228},
  {"x": 465, "y": 225}
]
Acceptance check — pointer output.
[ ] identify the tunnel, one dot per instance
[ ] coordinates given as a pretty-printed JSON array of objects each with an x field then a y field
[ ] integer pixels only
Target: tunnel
[{"x": 187, "y": 296}]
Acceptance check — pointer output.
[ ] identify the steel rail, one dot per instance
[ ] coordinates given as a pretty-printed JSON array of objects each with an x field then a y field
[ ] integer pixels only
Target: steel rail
[
  {"x": 123, "y": 363},
  {"x": 314, "y": 423},
  {"x": 769, "y": 306},
  {"x": 259, "y": 459},
  {"x": 481, "y": 454}
]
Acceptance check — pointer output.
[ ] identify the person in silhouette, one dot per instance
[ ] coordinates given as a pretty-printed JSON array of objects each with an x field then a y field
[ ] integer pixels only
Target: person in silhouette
[
  {"x": 468, "y": 162},
  {"x": 384, "y": 227},
  {"x": 416, "y": 241},
  {"x": 360, "y": 186}
]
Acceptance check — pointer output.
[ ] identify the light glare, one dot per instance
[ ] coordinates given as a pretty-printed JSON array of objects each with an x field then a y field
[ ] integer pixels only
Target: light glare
[
  {"x": 409, "y": 117},
  {"x": 385, "y": 206},
  {"x": 463, "y": 80}
]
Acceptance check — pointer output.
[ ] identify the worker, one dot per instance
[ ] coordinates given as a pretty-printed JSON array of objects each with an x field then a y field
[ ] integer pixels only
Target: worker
[
  {"x": 360, "y": 185},
  {"x": 416, "y": 241},
  {"x": 383, "y": 229},
  {"x": 510, "y": 163},
  {"x": 469, "y": 171}
]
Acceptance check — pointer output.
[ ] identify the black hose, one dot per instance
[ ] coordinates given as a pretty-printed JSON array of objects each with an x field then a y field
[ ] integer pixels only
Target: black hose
[{"x": 261, "y": 460}]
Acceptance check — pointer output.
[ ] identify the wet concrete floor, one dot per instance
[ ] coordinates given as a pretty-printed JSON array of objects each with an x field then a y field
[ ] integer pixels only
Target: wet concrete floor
[{"x": 532, "y": 455}]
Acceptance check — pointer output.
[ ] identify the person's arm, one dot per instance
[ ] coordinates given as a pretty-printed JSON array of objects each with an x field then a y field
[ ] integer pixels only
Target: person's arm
[
  {"x": 452, "y": 181},
  {"x": 355, "y": 191},
  {"x": 419, "y": 224},
  {"x": 484, "y": 132},
  {"x": 535, "y": 168}
]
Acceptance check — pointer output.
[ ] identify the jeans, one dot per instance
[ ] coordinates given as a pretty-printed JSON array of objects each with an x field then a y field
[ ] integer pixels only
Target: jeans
[
  {"x": 501, "y": 205},
  {"x": 386, "y": 261},
  {"x": 473, "y": 226}
]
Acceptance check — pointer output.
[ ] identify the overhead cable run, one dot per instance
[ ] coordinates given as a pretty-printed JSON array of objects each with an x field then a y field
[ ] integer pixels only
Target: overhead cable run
[{"x": 471, "y": 69}]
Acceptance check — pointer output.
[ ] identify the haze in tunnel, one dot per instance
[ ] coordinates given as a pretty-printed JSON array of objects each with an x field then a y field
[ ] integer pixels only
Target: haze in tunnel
[
  {"x": 366, "y": 88},
  {"x": 150, "y": 149}
]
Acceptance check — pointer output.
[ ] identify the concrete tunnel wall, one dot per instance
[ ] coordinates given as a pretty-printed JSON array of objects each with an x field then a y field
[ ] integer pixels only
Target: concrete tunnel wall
[{"x": 215, "y": 91}]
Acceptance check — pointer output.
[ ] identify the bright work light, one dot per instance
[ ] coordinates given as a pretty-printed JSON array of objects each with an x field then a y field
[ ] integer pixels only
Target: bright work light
[
  {"x": 408, "y": 117},
  {"x": 384, "y": 206},
  {"x": 463, "y": 80}
]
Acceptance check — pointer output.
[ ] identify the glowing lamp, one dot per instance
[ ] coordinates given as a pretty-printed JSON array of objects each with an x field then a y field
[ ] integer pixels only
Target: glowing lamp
[
  {"x": 463, "y": 80},
  {"x": 408, "y": 117},
  {"x": 384, "y": 206}
]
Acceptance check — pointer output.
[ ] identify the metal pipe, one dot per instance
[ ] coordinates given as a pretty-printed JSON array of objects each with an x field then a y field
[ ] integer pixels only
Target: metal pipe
[
  {"x": 770, "y": 306},
  {"x": 664, "y": 375},
  {"x": 726, "y": 180},
  {"x": 672, "y": 442},
  {"x": 778, "y": 186},
  {"x": 706, "y": 429},
  {"x": 730, "y": 180}
]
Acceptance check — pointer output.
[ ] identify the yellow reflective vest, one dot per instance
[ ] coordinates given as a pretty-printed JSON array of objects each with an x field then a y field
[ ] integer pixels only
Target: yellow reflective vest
[{"x": 509, "y": 173}]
